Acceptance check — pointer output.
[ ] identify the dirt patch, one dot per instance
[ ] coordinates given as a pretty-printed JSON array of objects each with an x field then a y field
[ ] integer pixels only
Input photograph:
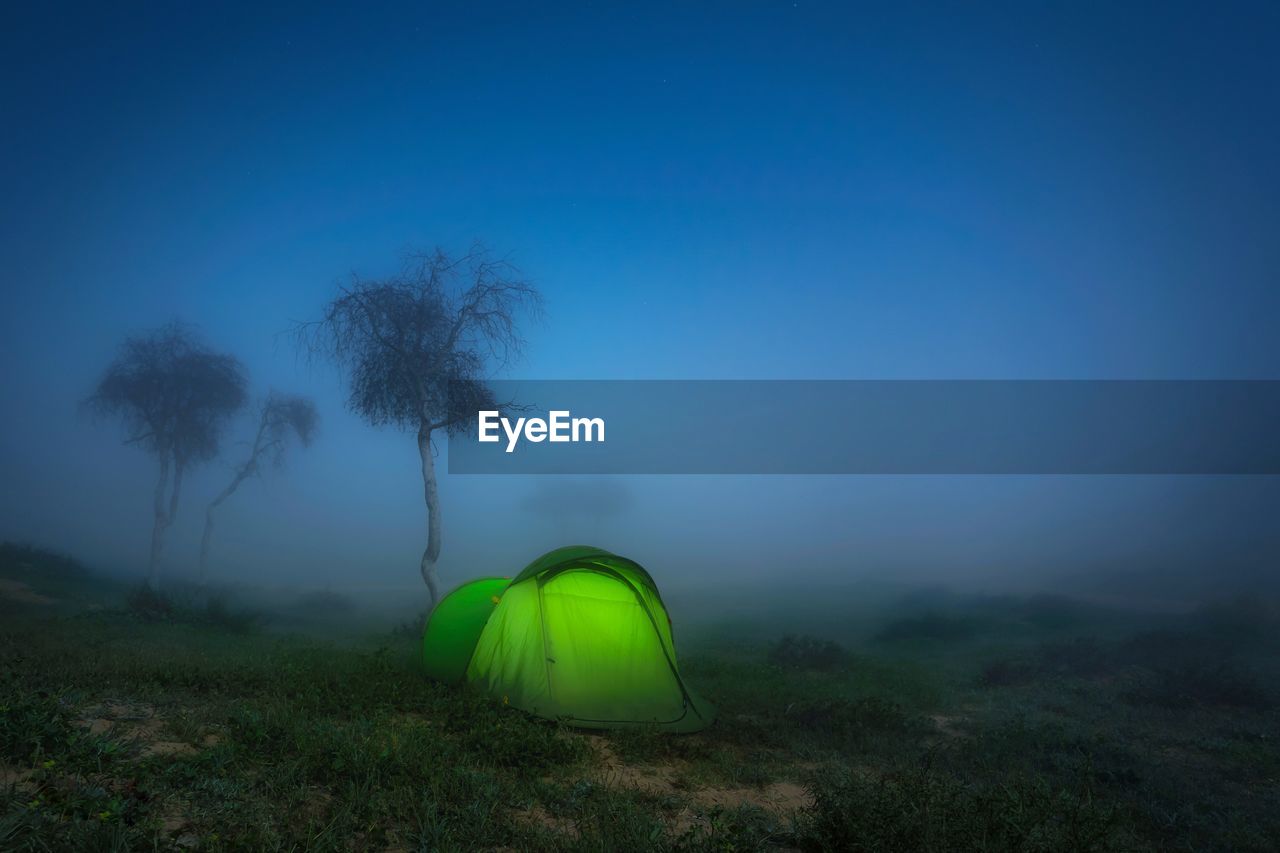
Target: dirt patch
[
  {"x": 173, "y": 821},
  {"x": 650, "y": 778},
  {"x": 122, "y": 718},
  {"x": 316, "y": 805},
  {"x": 174, "y": 825},
  {"x": 167, "y": 747},
  {"x": 140, "y": 724},
  {"x": 537, "y": 816},
  {"x": 128, "y": 711},
  {"x": 948, "y": 725},
  {"x": 780, "y": 798},
  {"x": 14, "y": 776},
  {"x": 97, "y": 727},
  {"x": 22, "y": 593}
]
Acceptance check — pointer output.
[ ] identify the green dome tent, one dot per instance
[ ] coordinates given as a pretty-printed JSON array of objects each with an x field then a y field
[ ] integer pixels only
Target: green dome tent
[{"x": 580, "y": 635}]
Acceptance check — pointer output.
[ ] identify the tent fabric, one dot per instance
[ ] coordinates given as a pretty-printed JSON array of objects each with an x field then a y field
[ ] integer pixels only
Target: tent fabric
[
  {"x": 456, "y": 624},
  {"x": 581, "y": 635}
]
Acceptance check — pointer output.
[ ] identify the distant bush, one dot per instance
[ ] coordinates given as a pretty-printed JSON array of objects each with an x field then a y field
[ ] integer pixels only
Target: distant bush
[
  {"x": 16, "y": 555},
  {"x": 1050, "y": 611},
  {"x": 805, "y": 652},
  {"x": 1245, "y": 617},
  {"x": 927, "y": 626},
  {"x": 1167, "y": 649},
  {"x": 148, "y": 605},
  {"x": 325, "y": 602},
  {"x": 1079, "y": 658},
  {"x": 411, "y": 628},
  {"x": 219, "y": 613},
  {"x": 1006, "y": 673},
  {"x": 1082, "y": 657},
  {"x": 927, "y": 598},
  {"x": 151, "y": 606}
]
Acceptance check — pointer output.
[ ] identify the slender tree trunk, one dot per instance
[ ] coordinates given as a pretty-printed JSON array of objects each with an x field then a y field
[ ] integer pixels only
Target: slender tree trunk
[
  {"x": 204, "y": 544},
  {"x": 207, "y": 536},
  {"x": 432, "y": 495},
  {"x": 158, "y": 525},
  {"x": 177, "y": 489},
  {"x": 249, "y": 467},
  {"x": 164, "y": 514}
]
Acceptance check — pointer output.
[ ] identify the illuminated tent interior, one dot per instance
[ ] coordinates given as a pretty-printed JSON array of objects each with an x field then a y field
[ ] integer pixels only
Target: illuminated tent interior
[{"x": 581, "y": 635}]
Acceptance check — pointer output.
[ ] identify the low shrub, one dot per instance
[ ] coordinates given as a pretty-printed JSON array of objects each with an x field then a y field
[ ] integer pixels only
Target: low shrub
[
  {"x": 220, "y": 614},
  {"x": 1246, "y": 618},
  {"x": 927, "y": 626},
  {"x": 411, "y": 628},
  {"x": 32, "y": 724},
  {"x": 805, "y": 652},
  {"x": 1169, "y": 649},
  {"x": 1006, "y": 673},
  {"x": 325, "y": 602},
  {"x": 149, "y": 605},
  {"x": 1053, "y": 612},
  {"x": 17, "y": 555},
  {"x": 1082, "y": 657}
]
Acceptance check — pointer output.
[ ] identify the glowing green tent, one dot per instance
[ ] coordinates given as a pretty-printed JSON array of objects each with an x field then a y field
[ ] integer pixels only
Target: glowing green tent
[{"x": 581, "y": 635}]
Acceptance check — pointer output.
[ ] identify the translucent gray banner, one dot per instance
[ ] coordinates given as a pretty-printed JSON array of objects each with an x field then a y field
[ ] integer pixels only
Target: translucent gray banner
[{"x": 876, "y": 427}]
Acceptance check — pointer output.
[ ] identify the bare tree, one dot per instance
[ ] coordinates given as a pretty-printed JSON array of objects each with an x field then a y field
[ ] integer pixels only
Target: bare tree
[
  {"x": 175, "y": 397},
  {"x": 416, "y": 348},
  {"x": 281, "y": 417}
]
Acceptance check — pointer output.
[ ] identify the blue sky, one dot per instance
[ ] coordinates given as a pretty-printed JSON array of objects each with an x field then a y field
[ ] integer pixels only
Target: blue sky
[{"x": 762, "y": 190}]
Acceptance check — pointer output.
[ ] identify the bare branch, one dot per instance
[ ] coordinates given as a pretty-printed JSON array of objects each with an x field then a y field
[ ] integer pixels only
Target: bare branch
[{"x": 401, "y": 340}]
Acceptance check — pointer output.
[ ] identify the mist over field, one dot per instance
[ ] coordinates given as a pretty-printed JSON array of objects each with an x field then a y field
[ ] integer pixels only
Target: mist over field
[
  {"x": 324, "y": 216},
  {"x": 1023, "y": 223}
]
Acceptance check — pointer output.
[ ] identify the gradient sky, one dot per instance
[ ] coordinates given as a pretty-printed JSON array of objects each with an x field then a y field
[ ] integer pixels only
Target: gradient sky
[{"x": 736, "y": 190}]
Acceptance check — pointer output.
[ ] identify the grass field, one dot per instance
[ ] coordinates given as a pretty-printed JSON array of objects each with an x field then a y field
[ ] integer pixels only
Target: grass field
[{"x": 925, "y": 722}]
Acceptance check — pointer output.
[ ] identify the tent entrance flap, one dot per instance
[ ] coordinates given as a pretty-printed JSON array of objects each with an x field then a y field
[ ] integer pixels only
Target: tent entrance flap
[{"x": 605, "y": 660}]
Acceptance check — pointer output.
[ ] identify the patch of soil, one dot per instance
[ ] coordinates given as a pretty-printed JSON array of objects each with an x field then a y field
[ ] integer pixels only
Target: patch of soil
[
  {"x": 175, "y": 826},
  {"x": 167, "y": 747},
  {"x": 120, "y": 716},
  {"x": 536, "y": 815},
  {"x": 947, "y": 725},
  {"x": 780, "y": 798},
  {"x": 138, "y": 723},
  {"x": 22, "y": 593},
  {"x": 173, "y": 821},
  {"x": 15, "y": 776}
]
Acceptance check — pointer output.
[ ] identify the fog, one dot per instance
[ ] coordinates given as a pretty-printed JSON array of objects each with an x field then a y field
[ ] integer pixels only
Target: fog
[{"x": 1029, "y": 225}]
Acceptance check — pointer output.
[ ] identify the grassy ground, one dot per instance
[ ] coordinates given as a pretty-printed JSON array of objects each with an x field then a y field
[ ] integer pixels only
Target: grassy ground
[{"x": 938, "y": 723}]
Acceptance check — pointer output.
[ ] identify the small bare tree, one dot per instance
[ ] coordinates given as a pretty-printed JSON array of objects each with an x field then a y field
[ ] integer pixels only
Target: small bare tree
[
  {"x": 175, "y": 397},
  {"x": 281, "y": 417},
  {"x": 416, "y": 348}
]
